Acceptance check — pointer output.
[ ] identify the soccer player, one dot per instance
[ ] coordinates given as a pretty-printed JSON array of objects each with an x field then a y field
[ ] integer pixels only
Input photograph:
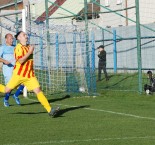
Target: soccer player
[
  {"x": 7, "y": 58},
  {"x": 23, "y": 72}
]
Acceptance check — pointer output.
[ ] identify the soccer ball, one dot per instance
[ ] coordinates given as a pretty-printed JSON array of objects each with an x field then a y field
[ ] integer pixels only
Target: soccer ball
[
  {"x": 82, "y": 89},
  {"x": 147, "y": 92}
]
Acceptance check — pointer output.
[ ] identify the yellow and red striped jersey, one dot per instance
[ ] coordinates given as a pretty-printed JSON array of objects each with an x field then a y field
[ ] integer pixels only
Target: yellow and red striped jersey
[{"x": 25, "y": 69}]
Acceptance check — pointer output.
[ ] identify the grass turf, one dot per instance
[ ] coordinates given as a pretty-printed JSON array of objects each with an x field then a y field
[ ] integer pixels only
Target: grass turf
[{"x": 114, "y": 117}]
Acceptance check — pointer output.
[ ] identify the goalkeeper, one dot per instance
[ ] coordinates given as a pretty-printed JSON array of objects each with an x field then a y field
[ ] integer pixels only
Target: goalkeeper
[
  {"x": 151, "y": 86},
  {"x": 7, "y": 58},
  {"x": 23, "y": 72}
]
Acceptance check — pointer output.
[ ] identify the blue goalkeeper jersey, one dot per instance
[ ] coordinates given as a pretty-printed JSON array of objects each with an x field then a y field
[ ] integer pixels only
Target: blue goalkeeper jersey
[{"x": 7, "y": 53}]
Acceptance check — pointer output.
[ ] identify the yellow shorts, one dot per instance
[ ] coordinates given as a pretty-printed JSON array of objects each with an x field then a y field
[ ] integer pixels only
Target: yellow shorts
[{"x": 31, "y": 83}]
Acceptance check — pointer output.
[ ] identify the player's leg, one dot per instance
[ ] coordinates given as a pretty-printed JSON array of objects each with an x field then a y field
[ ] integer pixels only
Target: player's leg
[
  {"x": 43, "y": 100},
  {"x": 17, "y": 93},
  {"x": 13, "y": 83},
  {"x": 5, "y": 90},
  {"x": 6, "y": 99},
  {"x": 2, "y": 88},
  {"x": 7, "y": 73},
  {"x": 33, "y": 84}
]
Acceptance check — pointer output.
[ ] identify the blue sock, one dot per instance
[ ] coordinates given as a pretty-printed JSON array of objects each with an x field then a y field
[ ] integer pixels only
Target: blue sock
[
  {"x": 19, "y": 90},
  {"x": 7, "y": 95}
]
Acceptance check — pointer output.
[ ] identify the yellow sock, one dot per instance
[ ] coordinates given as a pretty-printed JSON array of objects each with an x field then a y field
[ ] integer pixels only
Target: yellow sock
[
  {"x": 2, "y": 88},
  {"x": 43, "y": 100}
]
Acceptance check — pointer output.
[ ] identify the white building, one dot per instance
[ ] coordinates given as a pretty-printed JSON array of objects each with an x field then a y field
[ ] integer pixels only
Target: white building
[{"x": 127, "y": 9}]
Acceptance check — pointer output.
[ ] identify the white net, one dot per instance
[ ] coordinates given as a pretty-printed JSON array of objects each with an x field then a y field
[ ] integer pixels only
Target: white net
[{"x": 61, "y": 66}]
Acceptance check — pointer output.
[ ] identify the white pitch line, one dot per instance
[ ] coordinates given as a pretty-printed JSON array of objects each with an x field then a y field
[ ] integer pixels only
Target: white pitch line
[
  {"x": 112, "y": 112},
  {"x": 85, "y": 140},
  {"x": 107, "y": 111}
]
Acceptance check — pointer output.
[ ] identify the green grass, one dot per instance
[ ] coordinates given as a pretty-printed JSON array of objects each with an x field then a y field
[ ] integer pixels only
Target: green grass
[{"x": 113, "y": 118}]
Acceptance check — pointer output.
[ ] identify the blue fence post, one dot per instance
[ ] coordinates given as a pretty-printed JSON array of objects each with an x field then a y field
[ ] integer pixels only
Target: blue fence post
[
  {"x": 57, "y": 50},
  {"x": 93, "y": 52},
  {"x": 114, "y": 50},
  {"x": 93, "y": 83},
  {"x": 74, "y": 49},
  {"x": 41, "y": 52}
]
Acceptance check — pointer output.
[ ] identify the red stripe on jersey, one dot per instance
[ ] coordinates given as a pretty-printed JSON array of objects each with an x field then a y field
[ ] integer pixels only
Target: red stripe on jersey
[
  {"x": 30, "y": 69},
  {"x": 26, "y": 49},
  {"x": 15, "y": 55},
  {"x": 23, "y": 50},
  {"x": 19, "y": 57},
  {"x": 26, "y": 68},
  {"x": 32, "y": 73},
  {"x": 20, "y": 69}
]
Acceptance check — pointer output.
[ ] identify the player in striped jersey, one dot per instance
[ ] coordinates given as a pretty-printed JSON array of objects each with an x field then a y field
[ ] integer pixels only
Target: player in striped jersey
[{"x": 23, "y": 72}]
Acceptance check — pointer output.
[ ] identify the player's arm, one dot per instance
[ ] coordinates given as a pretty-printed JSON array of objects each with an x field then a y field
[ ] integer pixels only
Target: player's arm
[
  {"x": 1, "y": 57},
  {"x": 26, "y": 56},
  {"x": 4, "y": 61}
]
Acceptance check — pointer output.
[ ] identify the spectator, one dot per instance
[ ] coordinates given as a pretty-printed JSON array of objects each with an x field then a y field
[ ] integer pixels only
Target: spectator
[{"x": 102, "y": 63}]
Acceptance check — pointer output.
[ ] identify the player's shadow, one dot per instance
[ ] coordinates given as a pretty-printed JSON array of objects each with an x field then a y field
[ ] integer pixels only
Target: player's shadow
[
  {"x": 50, "y": 100},
  {"x": 59, "y": 99},
  {"x": 29, "y": 113},
  {"x": 63, "y": 111},
  {"x": 59, "y": 114}
]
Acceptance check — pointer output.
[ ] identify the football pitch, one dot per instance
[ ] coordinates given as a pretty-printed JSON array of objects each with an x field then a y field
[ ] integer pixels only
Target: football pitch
[{"x": 112, "y": 118}]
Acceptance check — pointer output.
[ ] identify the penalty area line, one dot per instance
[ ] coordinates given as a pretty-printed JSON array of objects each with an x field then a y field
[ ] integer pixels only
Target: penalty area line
[
  {"x": 113, "y": 112},
  {"x": 106, "y": 111}
]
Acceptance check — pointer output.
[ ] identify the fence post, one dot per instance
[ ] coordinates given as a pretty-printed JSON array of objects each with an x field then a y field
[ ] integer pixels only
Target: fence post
[
  {"x": 138, "y": 32},
  {"x": 87, "y": 45},
  {"x": 93, "y": 75},
  {"x": 114, "y": 51},
  {"x": 74, "y": 50},
  {"x": 57, "y": 50}
]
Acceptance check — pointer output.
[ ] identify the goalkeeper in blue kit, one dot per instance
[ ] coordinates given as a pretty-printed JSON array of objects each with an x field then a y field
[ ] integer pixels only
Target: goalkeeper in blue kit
[{"x": 8, "y": 60}]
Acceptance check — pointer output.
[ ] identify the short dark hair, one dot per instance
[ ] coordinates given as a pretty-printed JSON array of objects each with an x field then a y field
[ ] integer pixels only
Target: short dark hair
[
  {"x": 149, "y": 72},
  {"x": 16, "y": 36},
  {"x": 101, "y": 46}
]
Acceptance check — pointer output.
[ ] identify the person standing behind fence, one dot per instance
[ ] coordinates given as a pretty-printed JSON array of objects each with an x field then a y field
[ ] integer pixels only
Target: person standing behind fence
[
  {"x": 102, "y": 62},
  {"x": 7, "y": 58}
]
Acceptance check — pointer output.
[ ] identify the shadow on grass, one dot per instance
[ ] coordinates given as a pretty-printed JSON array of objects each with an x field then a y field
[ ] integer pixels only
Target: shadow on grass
[
  {"x": 123, "y": 79},
  {"x": 109, "y": 77},
  {"x": 63, "y": 111},
  {"x": 59, "y": 99},
  {"x": 59, "y": 114},
  {"x": 112, "y": 83},
  {"x": 50, "y": 100},
  {"x": 29, "y": 113}
]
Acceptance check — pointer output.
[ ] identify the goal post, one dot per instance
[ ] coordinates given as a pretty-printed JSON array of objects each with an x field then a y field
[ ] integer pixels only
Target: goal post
[
  {"x": 9, "y": 24},
  {"x": 24, "y": 30}
]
